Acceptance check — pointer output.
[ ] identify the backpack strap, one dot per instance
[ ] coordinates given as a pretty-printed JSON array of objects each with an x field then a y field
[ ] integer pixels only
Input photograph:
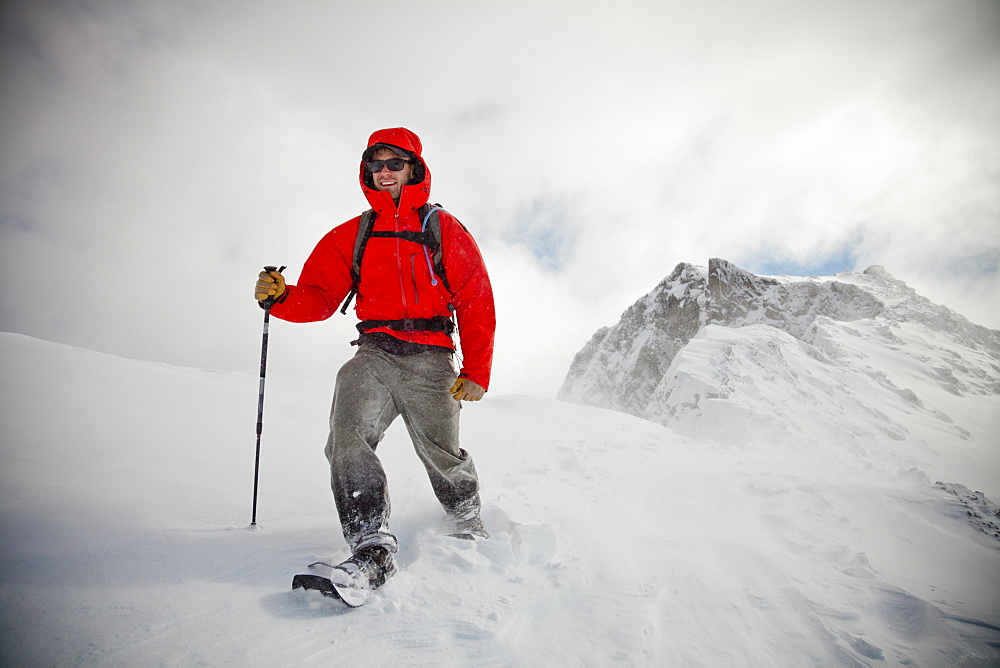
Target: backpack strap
[
  {"x": 360, "y": 241},
  {"x": 438, "y": 323}
]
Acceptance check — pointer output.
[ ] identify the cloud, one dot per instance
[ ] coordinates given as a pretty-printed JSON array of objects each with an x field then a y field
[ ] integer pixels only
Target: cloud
[{"x": 154, "y": 155}]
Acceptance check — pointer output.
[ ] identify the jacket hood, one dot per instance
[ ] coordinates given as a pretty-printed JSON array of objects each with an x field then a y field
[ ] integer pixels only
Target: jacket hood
[{"x": 405, "y": 143}]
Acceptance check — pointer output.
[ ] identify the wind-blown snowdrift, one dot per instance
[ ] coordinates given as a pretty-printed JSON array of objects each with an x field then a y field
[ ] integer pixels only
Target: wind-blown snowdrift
[{"x": 126, "y": 490}]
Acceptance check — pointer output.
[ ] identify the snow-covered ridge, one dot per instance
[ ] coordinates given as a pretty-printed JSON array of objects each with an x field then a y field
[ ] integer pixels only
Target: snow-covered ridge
[{"x": 857, "y": 362}]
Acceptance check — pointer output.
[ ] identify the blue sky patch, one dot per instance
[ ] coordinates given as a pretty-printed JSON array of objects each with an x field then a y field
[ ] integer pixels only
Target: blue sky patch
[
  {"x": 540, "y": 226},
  {"x": 824, "y": 265}
]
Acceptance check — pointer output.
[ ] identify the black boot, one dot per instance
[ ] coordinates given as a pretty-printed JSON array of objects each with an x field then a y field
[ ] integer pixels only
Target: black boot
[{"x": 368, "y": 568}]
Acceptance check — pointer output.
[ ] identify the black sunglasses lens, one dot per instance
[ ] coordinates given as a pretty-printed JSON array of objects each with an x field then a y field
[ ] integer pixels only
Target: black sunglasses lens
[{"x": 394, "y": 165}]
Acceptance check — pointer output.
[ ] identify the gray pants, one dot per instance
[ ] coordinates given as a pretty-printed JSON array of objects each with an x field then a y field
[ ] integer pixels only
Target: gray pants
[{"x": 373, "y": 388}]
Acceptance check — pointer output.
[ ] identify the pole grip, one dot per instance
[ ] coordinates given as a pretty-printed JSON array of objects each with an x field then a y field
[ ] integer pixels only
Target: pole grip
[{"x": 269, "y": 302}]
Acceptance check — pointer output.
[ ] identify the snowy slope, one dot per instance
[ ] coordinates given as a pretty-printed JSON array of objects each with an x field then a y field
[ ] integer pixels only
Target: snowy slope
[{"x": 126, "y": 490}]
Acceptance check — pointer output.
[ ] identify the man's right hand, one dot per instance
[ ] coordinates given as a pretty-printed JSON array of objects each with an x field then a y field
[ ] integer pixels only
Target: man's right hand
[{"x": 270, "y": 285}]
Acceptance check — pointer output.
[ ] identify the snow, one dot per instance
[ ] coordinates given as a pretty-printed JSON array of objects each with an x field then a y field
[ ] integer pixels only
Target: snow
[{"x": 126, "y": 496}]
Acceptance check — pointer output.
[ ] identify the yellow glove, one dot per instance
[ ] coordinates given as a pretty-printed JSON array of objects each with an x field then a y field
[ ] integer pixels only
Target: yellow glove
[
  {"x": 269, "y": 285},
  {"x": 467, "y": 390}
]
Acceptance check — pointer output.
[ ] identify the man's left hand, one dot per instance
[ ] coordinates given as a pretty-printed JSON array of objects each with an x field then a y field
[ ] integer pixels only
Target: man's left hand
[{"x": 466, "y": 390}]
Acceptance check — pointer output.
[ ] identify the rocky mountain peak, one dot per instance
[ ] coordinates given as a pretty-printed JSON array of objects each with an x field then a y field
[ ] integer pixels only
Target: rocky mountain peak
[
  {"x": 623, "y": 363},
  {"x": 776, "y": 344}
]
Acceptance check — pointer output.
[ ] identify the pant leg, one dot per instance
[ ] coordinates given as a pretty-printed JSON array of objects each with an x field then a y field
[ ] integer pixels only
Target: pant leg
[
  {"x": 432, "y": 419},
  {"x": 363, "y": 408}
]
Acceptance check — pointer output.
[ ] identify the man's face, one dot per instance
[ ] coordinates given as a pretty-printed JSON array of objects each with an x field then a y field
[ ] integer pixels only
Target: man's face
[{"x": 387, "y": 180}]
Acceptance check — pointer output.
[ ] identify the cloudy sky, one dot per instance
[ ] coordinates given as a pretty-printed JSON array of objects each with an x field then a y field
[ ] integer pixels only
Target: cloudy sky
[{"x": 153, "y": 155}]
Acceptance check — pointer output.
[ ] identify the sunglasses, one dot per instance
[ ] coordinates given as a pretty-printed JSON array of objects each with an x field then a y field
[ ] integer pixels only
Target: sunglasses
[{"x": 394, "y": 164}]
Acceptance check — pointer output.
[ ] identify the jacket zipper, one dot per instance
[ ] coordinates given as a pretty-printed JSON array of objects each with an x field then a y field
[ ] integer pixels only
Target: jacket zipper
[
  {"x": 399, "y": 267},
  {"x": 413, "y": 277}
]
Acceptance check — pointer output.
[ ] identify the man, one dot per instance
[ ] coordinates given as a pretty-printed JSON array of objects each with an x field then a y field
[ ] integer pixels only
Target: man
[{"x": 404, "y": 361}]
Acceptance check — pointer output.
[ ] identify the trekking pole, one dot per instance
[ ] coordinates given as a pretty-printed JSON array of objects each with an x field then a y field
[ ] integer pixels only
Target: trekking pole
[{"x": 260, "y": 397}]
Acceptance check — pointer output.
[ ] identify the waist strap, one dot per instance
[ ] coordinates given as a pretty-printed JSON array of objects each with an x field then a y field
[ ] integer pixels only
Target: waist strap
[{"x": 438, "y": 323}]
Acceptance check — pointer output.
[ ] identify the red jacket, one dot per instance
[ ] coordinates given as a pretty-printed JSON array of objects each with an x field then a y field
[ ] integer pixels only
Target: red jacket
[{"x": 395, "y": 276}]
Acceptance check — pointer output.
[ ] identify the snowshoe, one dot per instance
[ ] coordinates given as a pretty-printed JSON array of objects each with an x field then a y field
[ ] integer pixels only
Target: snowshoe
[{"x": 352, "y": 580}]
